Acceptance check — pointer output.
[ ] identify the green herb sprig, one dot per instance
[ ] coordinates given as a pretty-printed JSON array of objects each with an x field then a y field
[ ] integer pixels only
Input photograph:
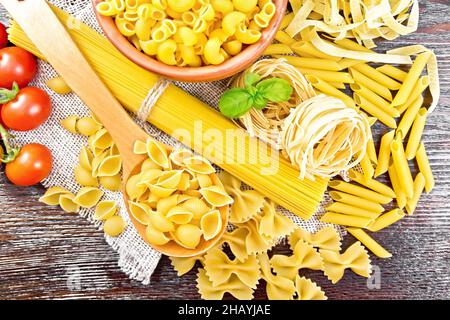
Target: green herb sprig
[{"x": 236, "y": 102}]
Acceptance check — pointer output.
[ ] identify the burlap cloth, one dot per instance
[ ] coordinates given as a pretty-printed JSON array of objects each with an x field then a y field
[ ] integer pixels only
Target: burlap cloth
[{"x": 137, "y": 259}]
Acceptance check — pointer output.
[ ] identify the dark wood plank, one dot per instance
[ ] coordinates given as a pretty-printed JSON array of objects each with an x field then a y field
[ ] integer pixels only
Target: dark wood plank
[{"x": 41, "y": 248}]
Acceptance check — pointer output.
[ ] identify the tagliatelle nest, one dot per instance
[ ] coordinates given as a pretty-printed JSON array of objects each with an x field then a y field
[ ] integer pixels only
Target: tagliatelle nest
[
  {"x": 323, "y": 137},
  {"x": 320, "y": 135},
  {"x": 266, "y": 124}
]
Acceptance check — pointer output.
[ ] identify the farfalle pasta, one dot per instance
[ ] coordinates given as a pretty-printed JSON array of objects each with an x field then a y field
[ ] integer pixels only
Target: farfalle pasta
[
  {"x": 176, "y": 197},
  {"x": 184, "y": 265},
  {"x": 326, "y": 238},
  {"x": 273, "y": 224},
  {"x": 308, "y": 290},
  {"x": 233, "y": 286},
  {"x": 255, "y": 242},
  {"x": 247, "y": 203},
  {"x": 219, "y": 268},
  {"x": 236, "y": 240},
  {"x": 277, "y": 287},
  {"x": 355, "y": 258},
  {"x": 304, "y": 256}
]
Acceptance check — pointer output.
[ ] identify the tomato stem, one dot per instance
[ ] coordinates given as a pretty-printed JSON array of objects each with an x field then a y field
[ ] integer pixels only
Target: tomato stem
[
  {"x": 10, "y": 152},
  {"x": 7, "y": 95}
]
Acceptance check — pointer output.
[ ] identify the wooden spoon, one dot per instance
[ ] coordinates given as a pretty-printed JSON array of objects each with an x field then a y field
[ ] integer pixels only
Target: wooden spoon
[{"x": 49, "y": 35}]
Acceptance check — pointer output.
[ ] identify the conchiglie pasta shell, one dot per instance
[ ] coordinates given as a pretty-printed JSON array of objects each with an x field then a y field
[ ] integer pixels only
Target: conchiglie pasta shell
[
  {"x": 66, "y": 202},
  {"x": 179, "y": 215},
  {"x": 165, "y": 204},
  {"x": 160, "y": 222},
  {"x": 114, "y": 151},
  {"x": 211, "y": 224},
  {"x": 139, "y": 211},
  {"x": 52, "y": 195},
  {"x": 88, "y": 197},
  {"x": 199, "y": 165},
  {"x": 97, "y": 161},
  {"x": 149, "y": 177},
  {"x": 112, "y": 183},
  {"x": 105, "y": 210},
  {"x": 102, "y": 140},
  {"x": 216, "y": 196},
  {"x": 149, "y": 164},
  {"x": 155, "y": 237},
  {"x": 197, "y": 206},
  {"x": 170, "y": 179},
  {"x": 114, "y": 226},
  {"x": 184, "y": 182},
  {"x": 84, "y": 177},
  {"x": 70, "y": 124},
  {"x": 110, "y": 166},
  {"x": 140, "y": 147},
  {"x": 133, "y": 189},
  {"x": 158, "y": 153},
  {"x": 87, "y": 126},
  {"x": 85, "y": 158},
  {"x": 188, "y": 236},
  {"x": 178, "y": 156},
  {"x": 204, "y": 181},
  {"x": 161, "y": 192}
]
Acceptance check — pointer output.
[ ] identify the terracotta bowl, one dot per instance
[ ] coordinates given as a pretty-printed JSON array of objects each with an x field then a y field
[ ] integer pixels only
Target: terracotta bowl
[{"x": 229, "y": 68}]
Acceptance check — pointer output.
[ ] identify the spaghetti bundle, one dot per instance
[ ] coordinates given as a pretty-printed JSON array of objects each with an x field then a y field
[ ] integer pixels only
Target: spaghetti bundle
[
  {"x": 176, "y": 111},
  {"x": 323, "y": 137},
  {"x": 266, "y": 123}
]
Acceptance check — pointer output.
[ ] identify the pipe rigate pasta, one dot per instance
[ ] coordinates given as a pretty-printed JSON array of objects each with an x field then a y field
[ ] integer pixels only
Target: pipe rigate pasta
[
  {"x": 355, "y": 258},
  {"x": 308, "y": 290},
  {"x": 185, "y": 33},
  {"x": 219, "y": 268},
  {"x": 88, "y": 197},
  {"x": 304, "y": 256}
]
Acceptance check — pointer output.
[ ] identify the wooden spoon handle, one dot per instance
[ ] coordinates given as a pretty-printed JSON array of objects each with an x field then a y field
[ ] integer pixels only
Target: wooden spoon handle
[{"x": 52, "y": 39}]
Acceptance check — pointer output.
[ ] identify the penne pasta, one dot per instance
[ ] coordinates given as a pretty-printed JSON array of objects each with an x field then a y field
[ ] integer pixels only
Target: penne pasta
[
  {"x": 399, "y": 192},
  {"x": 385, "y": 153},
  {"x": 415, "y": 135},
  {"x": 386, "y": 220},
  {"x": 345, "y": 220},
  {"x": 283, "y": 38},
  {"x": 424, "y": 167},
  {"x": 348, "y": 63},
  {"x": 331, "y": 75},
  {"x": 278, "y": 49},
  {"x": 372, "y": 184},
  {"x": 359, "y": 191},
  {"x": 377, "y": 76},
  {"x": 373, "y": 110},
  {"x": 413, "y": 75},
  {"x": 371, "y": 151},
  {"x": 352, "y": 45},
  {"x": 328, "y": 89},
  {"x": 393, "y": 72},
  {"x": 306, "y": 49},
  {"x": 356, "y": 201},
  {"x": 370, "y": 243},
  {"x": 402, "y": 167},
  {"x": 367, "y": 168},
  {"x": 350, "y": 210},
  {"x": 315, "y": 64},
  {"x": 369, "y": 83},
  {"x": 375, "y": 99},
  {"x": 409, "y": 116},
  {"x": 419, "y": 185},
  {"x": 417, "y": 91}
]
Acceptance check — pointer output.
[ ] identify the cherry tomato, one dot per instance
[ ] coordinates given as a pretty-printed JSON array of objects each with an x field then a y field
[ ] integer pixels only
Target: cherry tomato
[
  {"x": 32, "y": 165},
  {"x": 3, "y": 36},
  {"x": 16, "y": 65},
  {"x": 28, "y": 110}
]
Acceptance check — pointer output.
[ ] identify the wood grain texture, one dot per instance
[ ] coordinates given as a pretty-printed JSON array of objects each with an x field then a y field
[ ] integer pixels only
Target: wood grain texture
[{"x": 41, "y": 248}]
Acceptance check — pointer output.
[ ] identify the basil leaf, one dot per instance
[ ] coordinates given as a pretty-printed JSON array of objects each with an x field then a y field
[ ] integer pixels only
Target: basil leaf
[
  {"x": 259, "y": 102},
  {"x": 275, "y": 89},
  {"x": 234, "y": 103},
  {"x": 251, "y": 79}
]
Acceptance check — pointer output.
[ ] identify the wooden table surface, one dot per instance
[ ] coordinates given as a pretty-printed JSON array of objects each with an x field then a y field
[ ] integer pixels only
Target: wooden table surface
[{"x": 41, "y": 248}]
